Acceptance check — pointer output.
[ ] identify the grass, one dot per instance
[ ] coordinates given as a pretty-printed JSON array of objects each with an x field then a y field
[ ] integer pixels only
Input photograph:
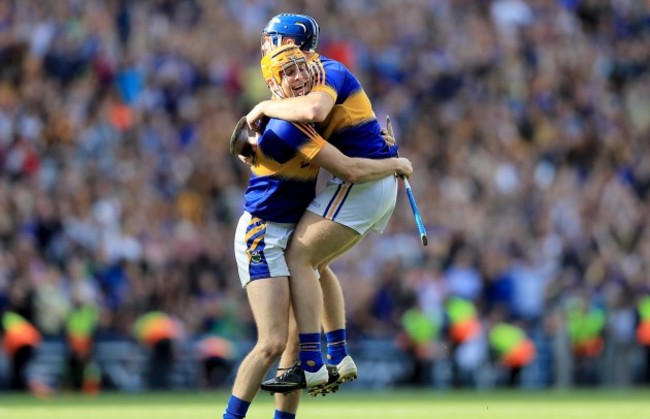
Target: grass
[{"x": 430, "y": 404}]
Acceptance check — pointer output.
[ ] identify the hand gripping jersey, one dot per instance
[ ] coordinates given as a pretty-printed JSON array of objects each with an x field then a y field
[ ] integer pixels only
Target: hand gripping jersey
[
  {"x": 283, "y": 181},
  {"x": 351, "y": 126}
]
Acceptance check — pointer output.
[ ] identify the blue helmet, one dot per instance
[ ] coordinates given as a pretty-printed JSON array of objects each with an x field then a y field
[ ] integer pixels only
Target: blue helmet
[{"x": 302, "y": 29}]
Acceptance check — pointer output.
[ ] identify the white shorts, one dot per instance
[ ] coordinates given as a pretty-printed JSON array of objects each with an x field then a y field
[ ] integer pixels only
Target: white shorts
[
  {"x": 360, "y": 206},
  {"x": 259, "y": 248}
]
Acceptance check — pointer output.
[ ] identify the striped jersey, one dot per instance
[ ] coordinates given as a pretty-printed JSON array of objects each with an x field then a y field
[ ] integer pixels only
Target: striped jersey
[
  {"x": 351, "y": 126},
  {"x": 283, "y": 181}
]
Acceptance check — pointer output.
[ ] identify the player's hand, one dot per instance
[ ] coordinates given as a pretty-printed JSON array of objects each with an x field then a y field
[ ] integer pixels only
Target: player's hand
[
  {"x": 254, "y": 118},
  {"x": 248, "y": 161},
  {"x": 390, "y": 140},
  {"x": 404, "y": 167},
  {"x": 243, "y": 140}
]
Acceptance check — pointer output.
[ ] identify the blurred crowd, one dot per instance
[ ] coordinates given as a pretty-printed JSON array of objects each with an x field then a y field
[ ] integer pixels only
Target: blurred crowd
[{"x": 527, "y": 123}]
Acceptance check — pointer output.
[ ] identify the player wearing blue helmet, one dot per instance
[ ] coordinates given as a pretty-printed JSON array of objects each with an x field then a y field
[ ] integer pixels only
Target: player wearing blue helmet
[
  {"x": 341, "y": 215},
  {"x": 303, "y": 31},
  {"x": 282, "y": 184}
]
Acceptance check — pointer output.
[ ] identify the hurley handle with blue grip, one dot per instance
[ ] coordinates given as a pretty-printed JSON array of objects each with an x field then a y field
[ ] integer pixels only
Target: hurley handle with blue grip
[{"x": 409, "y": 193}]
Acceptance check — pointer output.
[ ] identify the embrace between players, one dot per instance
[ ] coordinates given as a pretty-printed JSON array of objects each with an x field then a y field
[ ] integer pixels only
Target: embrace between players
[{"x": 319, "y": 116}]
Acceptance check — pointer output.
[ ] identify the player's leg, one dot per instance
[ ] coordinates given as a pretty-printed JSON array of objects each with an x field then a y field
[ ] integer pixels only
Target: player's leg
[
  {"x": 333, "y": 301},
  {"x": 307, "y": 301},
  {"x": 336, "y": 221},
  {"x": 334, "y": 304},
  {"x": 269, "y": 301},
  {"x": 334, "y": 327},
  {"x": 286, "y": 405},
  {"x": 323, "y": 240},
  {"x": 259, "y": 252},
  {"x": 314, "y": 240}
]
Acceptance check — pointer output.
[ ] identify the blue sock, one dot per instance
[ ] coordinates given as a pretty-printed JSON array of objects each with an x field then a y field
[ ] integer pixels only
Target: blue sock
[
  {"x": 284, "y": 415},
  {"x": 236, "y": 409},
  {"x": 337, "y": 348},
  {"x": 310, "y": 356}
]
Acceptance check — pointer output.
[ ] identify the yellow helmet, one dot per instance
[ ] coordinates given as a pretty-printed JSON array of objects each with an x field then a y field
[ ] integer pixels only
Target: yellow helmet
[{"x": 276, "y": 61}]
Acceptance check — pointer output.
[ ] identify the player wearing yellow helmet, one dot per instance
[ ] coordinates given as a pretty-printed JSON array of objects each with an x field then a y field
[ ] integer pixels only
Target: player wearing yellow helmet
[{"x": 341, "y": 215}]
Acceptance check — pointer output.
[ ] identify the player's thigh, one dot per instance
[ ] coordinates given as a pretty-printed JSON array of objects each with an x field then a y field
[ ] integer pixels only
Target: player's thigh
[
  {"x": 361, "y": 206},
  {"x": 332, "y": 257},
  {"x": 269, "y": 299},
  {"x": 318, "y": 239}
]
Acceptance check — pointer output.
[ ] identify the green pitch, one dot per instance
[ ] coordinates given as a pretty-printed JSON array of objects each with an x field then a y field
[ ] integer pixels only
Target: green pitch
[{"x": 431, "y": 404}]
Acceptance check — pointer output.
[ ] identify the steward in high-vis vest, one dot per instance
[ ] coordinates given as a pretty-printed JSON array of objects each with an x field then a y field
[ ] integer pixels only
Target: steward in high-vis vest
[
  {"x": 643, "y": 333},
  {"x": 512, "y": 349},
  {"x": 420, "y": 331},
  {"x": 217, "y": 356},
  {"x": 155, "y": 326},
  {"x": 585, "y": 327},
  {"x": 83, "y": 371},
  {"x": 643, "y": 328},
  {"x": 419, "y": 337},
  {"x": 19, "y": 340},
  {"x": 464, "y": 323},
  {"x": 158, "y": 331}
]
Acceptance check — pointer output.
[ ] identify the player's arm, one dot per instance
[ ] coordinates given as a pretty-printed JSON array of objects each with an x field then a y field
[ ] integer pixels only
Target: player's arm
[
  {"x": 358, "y": 170},
  {"x": 313, "y": 107}
]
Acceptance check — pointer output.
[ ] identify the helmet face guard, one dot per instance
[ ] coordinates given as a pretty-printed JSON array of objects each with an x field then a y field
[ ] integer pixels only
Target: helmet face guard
[
  {"x": 302, "y": 29},
  {"x": 277, "y": 61}
]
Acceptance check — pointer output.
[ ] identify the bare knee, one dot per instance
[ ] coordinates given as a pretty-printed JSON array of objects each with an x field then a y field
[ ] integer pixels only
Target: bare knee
[
  {"x": 297, "y": 255},
  {"x": 271, "y": 349},
  {"x": 294, "y": 252}
]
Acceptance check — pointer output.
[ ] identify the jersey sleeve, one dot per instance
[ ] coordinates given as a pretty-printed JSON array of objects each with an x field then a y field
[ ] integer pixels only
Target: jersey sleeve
[
  {"x": 284, "y": 140},
  {"x": 323, "y": 81}
]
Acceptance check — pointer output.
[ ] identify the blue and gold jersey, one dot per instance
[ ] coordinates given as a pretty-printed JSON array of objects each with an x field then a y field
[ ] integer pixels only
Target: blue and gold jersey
[
  {"x": 351, "y": 126},
  {"x": 283, "y": 181}
]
